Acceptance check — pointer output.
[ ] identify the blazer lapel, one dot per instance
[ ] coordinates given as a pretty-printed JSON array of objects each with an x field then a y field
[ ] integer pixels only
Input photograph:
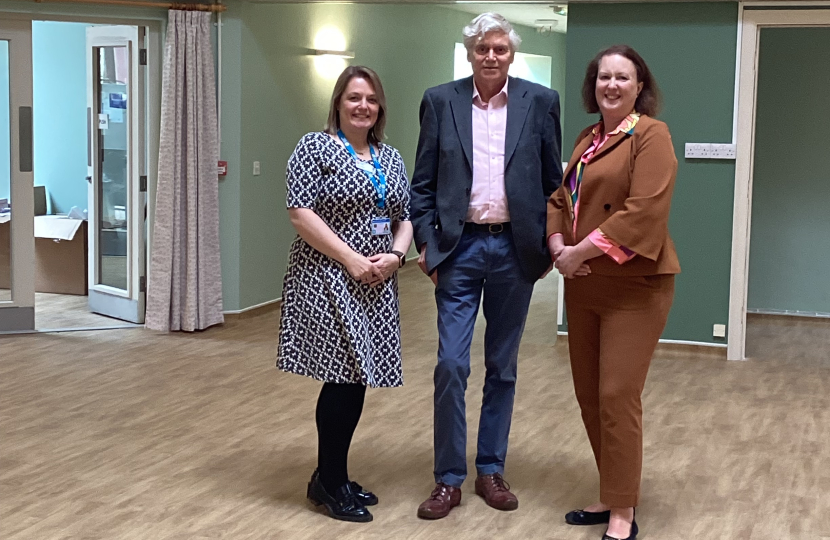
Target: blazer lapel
[
  {"x": 609, "y": 144},
  {"x": 577, "y": 155},
  {"x": 517, "y": 106},
  {"x": 462, "y": 112}
]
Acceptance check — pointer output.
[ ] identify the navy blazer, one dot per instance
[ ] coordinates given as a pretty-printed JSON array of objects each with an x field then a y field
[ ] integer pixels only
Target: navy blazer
[{"x": 443, "y": 175}]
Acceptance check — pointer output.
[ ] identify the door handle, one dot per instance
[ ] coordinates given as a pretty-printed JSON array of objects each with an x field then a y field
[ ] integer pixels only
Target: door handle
[
  {"x": 26, "y": 142},
  {"x": 89, "y": 139}
]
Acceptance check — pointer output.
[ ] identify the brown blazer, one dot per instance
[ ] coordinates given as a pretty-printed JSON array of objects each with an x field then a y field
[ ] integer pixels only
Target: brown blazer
[{"x": 626, "y": 193}]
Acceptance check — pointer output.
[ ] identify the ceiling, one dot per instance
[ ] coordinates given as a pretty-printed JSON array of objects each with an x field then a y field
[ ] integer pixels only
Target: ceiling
[{"x": 524, "y": 14}]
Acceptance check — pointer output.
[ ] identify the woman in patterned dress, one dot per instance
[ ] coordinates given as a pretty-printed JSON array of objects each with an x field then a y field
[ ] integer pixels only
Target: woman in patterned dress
[{"x": 348, "y": 199}]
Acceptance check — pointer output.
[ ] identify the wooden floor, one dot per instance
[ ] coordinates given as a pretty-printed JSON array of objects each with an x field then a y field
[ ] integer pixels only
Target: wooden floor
[
  {"x": 131, "y": 434},
  {"x": 62, "y": 311},
  {"x": 67, "y": 311}
]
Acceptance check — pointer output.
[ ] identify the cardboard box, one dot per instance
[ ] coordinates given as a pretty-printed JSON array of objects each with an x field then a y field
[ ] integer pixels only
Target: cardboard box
[
  {"x": 61, "y": 260},
  {"x": 60, "y": 255}
]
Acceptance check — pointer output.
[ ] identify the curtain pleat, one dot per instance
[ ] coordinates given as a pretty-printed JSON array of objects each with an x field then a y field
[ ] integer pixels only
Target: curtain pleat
[{"x": 184, "y": 291}]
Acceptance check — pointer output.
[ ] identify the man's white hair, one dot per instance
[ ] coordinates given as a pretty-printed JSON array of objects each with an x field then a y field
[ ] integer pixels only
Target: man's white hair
[{"x": 489, "y": 22}]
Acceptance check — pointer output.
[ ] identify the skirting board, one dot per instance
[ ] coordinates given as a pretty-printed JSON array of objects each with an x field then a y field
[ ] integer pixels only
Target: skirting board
[
  {"x": 253, "y": 311},
  {"x": 784, "y": 313},
  {"x": 677, "y": 342}
]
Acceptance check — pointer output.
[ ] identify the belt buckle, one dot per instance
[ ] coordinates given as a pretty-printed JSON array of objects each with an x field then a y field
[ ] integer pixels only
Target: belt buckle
[{"x": 496, "y": 228}]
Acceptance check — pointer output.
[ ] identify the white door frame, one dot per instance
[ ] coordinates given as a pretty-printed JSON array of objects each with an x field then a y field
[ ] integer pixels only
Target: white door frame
[
  {"x": 752, "y": 21},
  {"x": 18, "y": 314}
]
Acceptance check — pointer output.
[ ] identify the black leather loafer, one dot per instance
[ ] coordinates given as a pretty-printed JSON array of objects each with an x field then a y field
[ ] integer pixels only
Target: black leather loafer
[
  {"x": 344, "y": 505},
  {"x": 366, "y": 497},
  {"x": 581, "y": 517},
  {"x": 632, "y": 536}
]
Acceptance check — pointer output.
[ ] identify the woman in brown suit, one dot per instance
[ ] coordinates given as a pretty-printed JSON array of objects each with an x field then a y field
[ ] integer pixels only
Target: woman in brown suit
[{"x": 608, "y": 234}]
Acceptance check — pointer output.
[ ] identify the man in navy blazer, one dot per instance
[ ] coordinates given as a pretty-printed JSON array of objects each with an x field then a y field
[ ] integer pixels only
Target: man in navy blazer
[{"x": 489, "y": 156}]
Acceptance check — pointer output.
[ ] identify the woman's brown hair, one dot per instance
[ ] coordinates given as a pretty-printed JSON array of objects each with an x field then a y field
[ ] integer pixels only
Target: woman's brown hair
[
  {"x": 649, "y": 100},
  {"x": 333, "y": 122}
]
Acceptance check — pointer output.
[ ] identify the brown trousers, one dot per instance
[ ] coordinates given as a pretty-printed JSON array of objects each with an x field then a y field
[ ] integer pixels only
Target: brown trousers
[{"x": 614, "y": 324}]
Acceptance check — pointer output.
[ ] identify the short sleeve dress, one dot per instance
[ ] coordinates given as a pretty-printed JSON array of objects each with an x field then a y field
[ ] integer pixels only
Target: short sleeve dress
[{"x": 332, "y": 327}]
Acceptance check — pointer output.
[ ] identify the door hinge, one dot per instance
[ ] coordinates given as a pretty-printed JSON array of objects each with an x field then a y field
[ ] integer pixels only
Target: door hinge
[
  {"x": 142, "y": 57},
  {"x": 142, "y": 284},
  {"x": 142, "y": 184}
]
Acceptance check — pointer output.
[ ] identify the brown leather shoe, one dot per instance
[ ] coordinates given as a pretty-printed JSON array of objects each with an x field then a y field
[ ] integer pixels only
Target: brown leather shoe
[
  {"x": 496, "y": 492},
  {"x": 442, "y": 499}
]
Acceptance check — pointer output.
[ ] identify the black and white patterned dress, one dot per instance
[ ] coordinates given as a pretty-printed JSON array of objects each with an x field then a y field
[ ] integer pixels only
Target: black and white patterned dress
[{"x": 332, "y": 327}]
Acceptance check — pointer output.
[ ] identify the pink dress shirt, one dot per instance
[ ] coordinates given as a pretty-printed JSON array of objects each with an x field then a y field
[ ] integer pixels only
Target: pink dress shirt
[{"x": 488, "y": 200}]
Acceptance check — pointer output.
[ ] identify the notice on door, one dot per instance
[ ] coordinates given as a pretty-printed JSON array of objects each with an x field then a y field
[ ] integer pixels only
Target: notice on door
[{"x": 103, "y": 121}]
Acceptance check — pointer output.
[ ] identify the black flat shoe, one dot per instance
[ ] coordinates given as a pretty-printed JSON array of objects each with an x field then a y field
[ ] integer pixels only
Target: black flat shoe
[
  {"x": 632, "y": 536},
  {"x": 581, "y": 517},
  {"x": 366, "y": 497},
  {"x": 344, "y": 505}
]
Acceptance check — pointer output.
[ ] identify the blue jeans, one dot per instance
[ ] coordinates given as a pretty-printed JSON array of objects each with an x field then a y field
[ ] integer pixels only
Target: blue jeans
[{"x": 488, "y": 263}]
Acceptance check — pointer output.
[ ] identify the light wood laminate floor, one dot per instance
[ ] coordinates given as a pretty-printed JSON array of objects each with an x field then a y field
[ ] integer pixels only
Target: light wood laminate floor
[
  {"x": 62, "y": 311},
  {"x": 68, "y": 311},
  {"x": 138, "y": 435}
]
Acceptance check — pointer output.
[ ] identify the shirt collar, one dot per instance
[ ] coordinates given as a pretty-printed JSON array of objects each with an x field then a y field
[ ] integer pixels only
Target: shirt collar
[
  {"x": 626, "y": 126},
  {"x": 477, "y": 96}
]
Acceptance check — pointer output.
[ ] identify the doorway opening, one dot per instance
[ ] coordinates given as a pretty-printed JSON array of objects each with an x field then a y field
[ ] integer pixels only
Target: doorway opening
[
  {"x": 91, "y": 86},
  {"x": 765, "y": 292}
]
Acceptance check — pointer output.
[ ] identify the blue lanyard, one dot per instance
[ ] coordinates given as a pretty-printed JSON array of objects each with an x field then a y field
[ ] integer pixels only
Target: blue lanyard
[{"x": 378, "y": 179}]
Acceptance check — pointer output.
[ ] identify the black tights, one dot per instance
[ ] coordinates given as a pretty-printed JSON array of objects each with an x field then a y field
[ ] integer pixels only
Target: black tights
[{"x": 338, "y": 412}]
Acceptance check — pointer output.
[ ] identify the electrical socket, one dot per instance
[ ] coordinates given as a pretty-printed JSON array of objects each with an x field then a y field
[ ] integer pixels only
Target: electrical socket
[
  {"x": 256, "y": 168},
  {"x": 710, "y": 151},
  {"x": 719, "y": 330},
  {"x": 722, "y": 151},
  {"x": 698, "y": 150}
]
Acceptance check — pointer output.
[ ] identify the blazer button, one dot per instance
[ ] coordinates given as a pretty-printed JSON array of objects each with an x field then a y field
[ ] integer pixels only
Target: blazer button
[
  {"x": 607, "y": 207},
  {"x": 461, "y": 222}
]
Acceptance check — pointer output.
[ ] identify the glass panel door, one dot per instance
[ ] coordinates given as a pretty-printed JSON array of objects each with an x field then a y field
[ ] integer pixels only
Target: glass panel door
[
  {"x": 113, "y": 128},
  {"x": 17, "y": 258},
  {"x": 118, "y": 169},
  {"x": 5, "y": 174}
]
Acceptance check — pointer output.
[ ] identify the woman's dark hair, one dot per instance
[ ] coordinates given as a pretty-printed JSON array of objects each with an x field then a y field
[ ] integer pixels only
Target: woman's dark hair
[{"x": 649, "y": 100}]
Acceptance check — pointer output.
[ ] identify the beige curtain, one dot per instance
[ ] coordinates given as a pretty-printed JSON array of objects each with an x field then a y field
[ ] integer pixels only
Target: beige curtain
[{"x": 185, "y": 287}]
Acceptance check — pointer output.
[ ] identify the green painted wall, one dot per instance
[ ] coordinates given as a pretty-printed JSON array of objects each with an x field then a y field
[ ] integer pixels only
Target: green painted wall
[
  {"x": 691, "y": 50},
  {"x": 788, "y": 264},
  {"x": 230, "y": 144},
  {"x": 411, "y": 47}
]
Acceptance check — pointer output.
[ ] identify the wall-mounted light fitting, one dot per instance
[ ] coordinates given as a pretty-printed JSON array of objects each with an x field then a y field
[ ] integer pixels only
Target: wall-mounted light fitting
[
  {"x": 336, "y": 54},
  {"x": 329, "y": 52}
]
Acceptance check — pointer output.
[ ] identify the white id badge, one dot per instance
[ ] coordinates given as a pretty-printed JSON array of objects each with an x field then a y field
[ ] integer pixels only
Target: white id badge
[{"x": 381, "y": 226}]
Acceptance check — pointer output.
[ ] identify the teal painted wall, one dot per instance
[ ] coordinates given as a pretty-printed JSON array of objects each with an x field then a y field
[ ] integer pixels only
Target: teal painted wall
[
  {"x": 60, "y": 103},
  {"x": 5, "y": 127},
  {"x": 231, "y": 141},
  {"x": 790, "y": 240},
  {"x": 690, "y": 47},
  {"x": 411, "y": 47}
]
